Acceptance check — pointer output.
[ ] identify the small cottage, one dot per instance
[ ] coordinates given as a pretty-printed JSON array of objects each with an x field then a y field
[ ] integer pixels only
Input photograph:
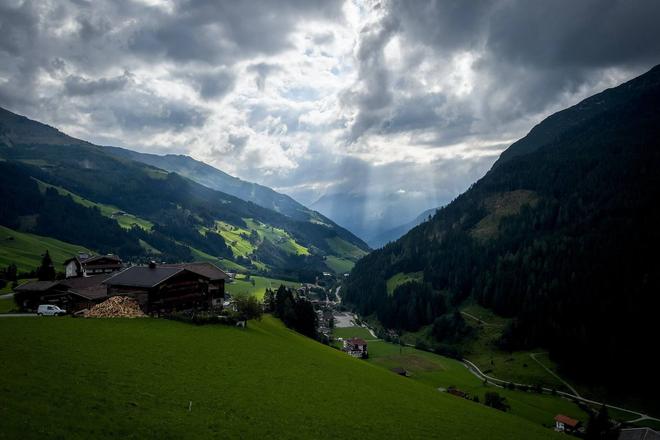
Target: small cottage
[
  {"x": 566, "y": 424},
  {"x": 356, "y": 347}
]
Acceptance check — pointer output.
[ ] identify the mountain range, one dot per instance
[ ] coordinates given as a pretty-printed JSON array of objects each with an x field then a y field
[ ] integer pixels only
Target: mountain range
[
  {"x": 561, "y": 235},
  {"x": 112, "y": 200}
]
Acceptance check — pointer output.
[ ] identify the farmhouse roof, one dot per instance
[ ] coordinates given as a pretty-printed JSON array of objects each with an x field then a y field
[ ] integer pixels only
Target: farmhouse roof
[
  {"x": 92, "y": 259},
  {"x": 639, "y": 434},
  {"x": 204, "y": 268},
  {"x": 91, "y": 287},
  {"x": 36, "y": 286},
  {"x": 143, "y": 276},
  {"x": 357, "y": 341},
  {"x": 566, "y": 420}
]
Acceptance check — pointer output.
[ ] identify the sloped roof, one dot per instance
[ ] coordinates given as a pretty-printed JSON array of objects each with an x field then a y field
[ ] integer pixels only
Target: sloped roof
[
  {"x": 204, "y": 268},
  {"x": 88, "y": 287},
  {"x": 100, "y": 257},
  {"x": 566, "y": 420},
  {"x": 356, "y": 341},
  {"x": 36, "y": 286},
  {"x": 143, "y": 276}
]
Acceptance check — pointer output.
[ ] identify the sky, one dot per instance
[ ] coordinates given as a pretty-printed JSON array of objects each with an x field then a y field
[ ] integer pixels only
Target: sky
[{"x": 369, "y": 111}]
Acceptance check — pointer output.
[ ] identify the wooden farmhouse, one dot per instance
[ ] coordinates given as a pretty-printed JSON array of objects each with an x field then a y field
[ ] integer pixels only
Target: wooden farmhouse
[
  {"x": 158, "y": 289},
  {"x": 84, "y": 265},
  {"x": 71, "y": 294},
  {"x": 163, "y": 289}
]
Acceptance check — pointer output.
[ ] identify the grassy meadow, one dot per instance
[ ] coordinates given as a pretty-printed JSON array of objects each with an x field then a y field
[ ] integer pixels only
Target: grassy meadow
[
  {"x": 156, "y": 378},
  {"x": 441, "y": 372},
  {"x": 243, "y": 286},
  {"x": 25, "y": 250}
]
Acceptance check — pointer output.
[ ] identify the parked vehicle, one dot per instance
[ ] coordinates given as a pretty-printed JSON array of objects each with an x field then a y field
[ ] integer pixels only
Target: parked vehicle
[{"x": 50, "y": 310}]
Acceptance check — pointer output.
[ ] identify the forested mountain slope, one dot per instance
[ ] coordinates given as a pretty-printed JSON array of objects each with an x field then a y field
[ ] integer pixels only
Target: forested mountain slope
[
  {"x": 562, "y": 234},
  {"x": 58, "y": 186}
]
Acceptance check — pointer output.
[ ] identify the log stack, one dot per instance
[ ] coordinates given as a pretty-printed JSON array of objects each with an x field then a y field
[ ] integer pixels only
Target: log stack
[{"x": 116, "y": 307}]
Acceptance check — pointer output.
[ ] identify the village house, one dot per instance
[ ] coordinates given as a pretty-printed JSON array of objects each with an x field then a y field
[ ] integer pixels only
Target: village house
[
  {"x": 158, "y": 289},
  {"x": 83, "y": 265},
  {"x": 163, "y": 289},
  {"x": 356, "y": 347},
  {"x": 566, "y": 424},
  {"x": 71, "y": 294}
]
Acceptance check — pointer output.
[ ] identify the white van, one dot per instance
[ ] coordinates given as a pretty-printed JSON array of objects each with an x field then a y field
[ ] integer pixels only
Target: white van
[{"x": 50, "y": 310}]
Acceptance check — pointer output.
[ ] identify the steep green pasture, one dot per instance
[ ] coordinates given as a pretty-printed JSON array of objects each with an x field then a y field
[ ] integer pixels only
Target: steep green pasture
[
  {"x": 125, "y": 220},
  {"x": 345, "y": 249},
  {"x": 148, "y": 378},
  {"x": 441, "y": 372},
  {"x": 339, "y": 265},
  {"x": 25, "y": 250},
  {"x": 401, "y": 278},
  {"x": 351, "y": 332},
  {"x": 242, "y": 286}
]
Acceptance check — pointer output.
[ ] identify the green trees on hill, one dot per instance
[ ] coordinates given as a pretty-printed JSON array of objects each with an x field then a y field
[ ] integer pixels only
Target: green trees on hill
[
  {"x": 296, "y": 312},
  {"x": 46, "y": 270}
]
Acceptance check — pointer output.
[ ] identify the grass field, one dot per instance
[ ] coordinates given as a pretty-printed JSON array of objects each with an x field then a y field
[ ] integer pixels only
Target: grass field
[
  {"x": 25, "y": 250},
  {"x": 241, "y": 286},
  {"x": 161, "y": 379},
  {"x": 352, "y": 332},
  {"x": 339, "y": 265},
  {"x": 7, "y": 305},
  {"x": 438, "y": 371},
  {"x": 124, "y": 219},
  {"x": 401, "y": 278},
  {"x": 345, "y": 249}
]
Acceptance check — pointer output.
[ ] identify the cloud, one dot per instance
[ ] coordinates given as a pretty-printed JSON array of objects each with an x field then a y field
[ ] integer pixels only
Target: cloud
[
  {"x": 77, "y": 85},
  {"x": 385, "y": 103}
]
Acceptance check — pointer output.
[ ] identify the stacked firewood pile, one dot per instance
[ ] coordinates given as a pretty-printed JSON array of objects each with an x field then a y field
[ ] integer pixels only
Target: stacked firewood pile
[{"x": 116, "y": 307}]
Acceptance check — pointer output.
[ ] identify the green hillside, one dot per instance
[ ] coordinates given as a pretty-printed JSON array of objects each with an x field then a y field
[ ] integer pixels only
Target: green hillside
[
  {"x": 44, "y": 173},
  {"x": 256, "y": 285},
  {"x": 560, "y": 236},
  {"x": 179, "y": 381},
  {"x": 25, "y": 250}
]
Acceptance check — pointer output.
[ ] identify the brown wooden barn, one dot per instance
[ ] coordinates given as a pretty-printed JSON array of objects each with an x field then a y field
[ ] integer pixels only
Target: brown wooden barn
[{"x": 162, "y": 289}]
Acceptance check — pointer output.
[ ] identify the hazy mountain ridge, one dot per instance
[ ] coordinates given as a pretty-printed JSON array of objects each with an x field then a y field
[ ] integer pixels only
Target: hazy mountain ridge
[
  {"x": 183, "y": 213},
  {"x": 385, "y": 237}
]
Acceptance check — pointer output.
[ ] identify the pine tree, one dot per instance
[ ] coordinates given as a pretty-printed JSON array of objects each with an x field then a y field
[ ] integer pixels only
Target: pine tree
[{"x": 46, "y": 271}]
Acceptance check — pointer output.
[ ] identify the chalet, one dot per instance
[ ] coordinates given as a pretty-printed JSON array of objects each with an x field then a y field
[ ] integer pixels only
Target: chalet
[
  {"x": 356, "y": 347},
  {"x": 162, "y": 289},
  {"x": 638, "y": 434},
  {"x": 84, "y": 265},
  {"x": 217, "y": 279},
  {"x": 71, "y": 294},
  {"x": 566, "y": 424}
]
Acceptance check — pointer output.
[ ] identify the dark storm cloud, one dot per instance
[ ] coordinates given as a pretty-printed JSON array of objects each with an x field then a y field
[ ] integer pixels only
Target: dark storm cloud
[
  {"x": 211, "y": 32},
  {"x": 81, "y": 45},
  {"x": 371, "y": 95},
  {"x": 214, "y": 84},
  {"x": 77, "y": 85},
  {"x": 527, "y": 56},
  {"x": 261, "y": 72}
]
